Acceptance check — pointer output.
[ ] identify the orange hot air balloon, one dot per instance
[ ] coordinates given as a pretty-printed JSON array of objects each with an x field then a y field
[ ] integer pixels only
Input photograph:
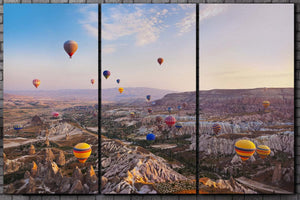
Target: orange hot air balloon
[
  {"x": 92, "y": 81},
  {"x": 70, "y": 47},
  {"x": 160, "y": 60},
  {"x": 36, "y": 82},
  {"x": 121, "y": 90}
]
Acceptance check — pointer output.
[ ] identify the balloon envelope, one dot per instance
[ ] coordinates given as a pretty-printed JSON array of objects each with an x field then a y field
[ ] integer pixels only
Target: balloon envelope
[
  {"x": 245, "y": 149},
  {"x": 160, "y": 60},
  {"x": 106, "y": 74},
  {"x": 150, "y": 136},
  {"x": 216, "y": 128},
  {"x": 266, "y": 104},
  {"x": 149, "y": 110},
  {"x": 263, "y": 151},
  {"x": 55, "y": 114},
  {"x": 36, "y": 82},
  {"x": 178, "y": 125},
  {"x": 70, "y": 47},
  {"x": 179, "y": 107},
  {"x": 17, "y": 127},
  {"x": 92, "y": 81},
  {"x": 170, "y": 121},
  {"x": 159, "y": 119},
  {"x": 82, "y": 152},
  {"x": 121, "y": 90}
]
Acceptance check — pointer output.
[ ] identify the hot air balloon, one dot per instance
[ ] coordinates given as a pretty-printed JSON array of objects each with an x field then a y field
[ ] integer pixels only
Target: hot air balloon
[
  {"x": 149, "y": 110},
  {"x": 106, "y": 74},
  {"x": 92, "y": 81},
  {"x": 132, "y": 114},
  {"x": 118, "y": 81},
  {"x": 17, "y": 127},
  {"x": 121, "y": 90},
  {"x": 55, "y": 114},
  {"x": 82, "y": 152},
  {"x": 148, "y": 97},
  {"x": 150, "y": 137},
  {"x": 266, "y": 104},
  {"x": 245, "y": 149},
  {"x": 184, "y": 105},
  {"x": 70, "y": 47},
  {"x": 170, "y": 121},
  {"x": 159, "y": 119},
  {"x": 170, "y": 109},
  {"x": 216, "y": 128},
  {"x": 263, "y": 151},
  {"x": 178, "y": 125},
  {"x": 160, "y": 60},
  {"x": 36, "y": 82},
  {"x": 179, "y": 107}
]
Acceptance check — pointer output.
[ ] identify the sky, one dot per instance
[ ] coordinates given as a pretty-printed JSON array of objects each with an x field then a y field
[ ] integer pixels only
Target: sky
[
  {"x": 246, "y": 46},
  {"x": 134, "y": 36},
  {"x": 34, "y": 35}
]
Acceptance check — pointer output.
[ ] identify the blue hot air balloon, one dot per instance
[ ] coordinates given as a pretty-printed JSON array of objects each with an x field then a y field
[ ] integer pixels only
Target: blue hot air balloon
[
  {"x": 148, "y": 97},
  {"x": 17, "y": 127},
  {"x": 179, "y": 107},
  {"x": 150, "y": 136},
  {"x": 118, "y": 81},
  {"x": 170, "y": 109}
]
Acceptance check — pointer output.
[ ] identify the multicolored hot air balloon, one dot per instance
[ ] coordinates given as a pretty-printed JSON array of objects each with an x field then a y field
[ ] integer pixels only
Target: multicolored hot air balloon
[
  {"x": 263, "y": 151},
  {"x": 70, "y": 47},
  {"x": 178, "y": 125},
  {"x": 82, "y": 152},
  {"x": 266, "y": 104},
  {"x": 92, "y": 81},
  {"x": 17, "y": 127},
  {"x": 118, "y": 81},
  {"x": 150, "y": 137},
  {"x": 216, "y": 128},
  {"x": 121, "y": 90},
  {"x": 170, "y": 109},
  {"x": 55, "y": 114},
  {"x": 148, "y": 97},
  {"x": 149, "y": 110},
  {"x": 160, "y": 60},
  {"x": 245, "y": 149},
  {"x": 106, "y": 74},
  {"x": 36, "y": 82},
  {"x": 179, "y": 107},
  {"x": 170, "y": 121},
  {"x": 159, "y": 119}
]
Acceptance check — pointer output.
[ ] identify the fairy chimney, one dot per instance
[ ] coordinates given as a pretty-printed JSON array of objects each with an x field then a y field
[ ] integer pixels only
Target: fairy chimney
[
  {"x": 31, "y": 150},
  {"x": 47, "y": 143}
]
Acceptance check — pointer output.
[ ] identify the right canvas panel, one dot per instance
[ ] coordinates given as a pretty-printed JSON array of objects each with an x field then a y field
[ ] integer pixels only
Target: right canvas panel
[{"x": 246, "y": 103}]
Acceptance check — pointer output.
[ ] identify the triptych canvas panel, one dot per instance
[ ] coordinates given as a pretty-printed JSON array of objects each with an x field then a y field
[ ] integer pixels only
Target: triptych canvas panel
[{"x": 148, "y": 99}]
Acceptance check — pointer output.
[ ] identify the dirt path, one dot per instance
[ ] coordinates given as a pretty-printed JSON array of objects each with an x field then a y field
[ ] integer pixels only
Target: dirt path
[{"x": 260, "y": 187}]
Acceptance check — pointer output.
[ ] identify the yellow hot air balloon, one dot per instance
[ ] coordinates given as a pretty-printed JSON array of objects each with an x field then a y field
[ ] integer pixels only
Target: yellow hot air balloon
[
  {"x": 121, "y": 90},
  {"x": 266, "y": 104},
  {"x": 245, "y": 149},
  {"x": 263, "y": 151},
  {"x": 82, "y": 152}
]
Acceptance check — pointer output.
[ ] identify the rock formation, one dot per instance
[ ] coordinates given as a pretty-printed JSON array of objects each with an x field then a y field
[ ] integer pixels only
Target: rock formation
[
  {"x": 31, "y": 150},
  {"x": 61, "y": 161}
]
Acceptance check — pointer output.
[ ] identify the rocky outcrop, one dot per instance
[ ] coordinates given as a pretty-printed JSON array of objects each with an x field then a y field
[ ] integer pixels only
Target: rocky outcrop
[
  {"x": 36, "y": 121},
  {"x": 61, "y": 161},
  {"x": 124, "y": 167},
  {"x": 34, "y": 169},
  {"x": 31, "y": 150},
  {"x": 49, "y": 156},
  {"x": 47, "y": 143}
]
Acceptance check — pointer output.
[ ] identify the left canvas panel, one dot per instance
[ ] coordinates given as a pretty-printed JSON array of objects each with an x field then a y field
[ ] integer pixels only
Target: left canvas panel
[{"x": 50, "y": 99}]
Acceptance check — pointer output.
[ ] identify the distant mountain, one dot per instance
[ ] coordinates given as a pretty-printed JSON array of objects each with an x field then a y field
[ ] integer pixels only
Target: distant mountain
[
  {"x": 132, "y": 94},
  {"x": 66, "y": 95}
]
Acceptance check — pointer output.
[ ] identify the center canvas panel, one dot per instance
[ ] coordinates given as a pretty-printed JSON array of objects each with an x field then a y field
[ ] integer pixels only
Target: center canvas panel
[
  {"x": 50, "y": 99},
  {"x": 246, "y": 99},
  {"x": 148, "y": 99}
]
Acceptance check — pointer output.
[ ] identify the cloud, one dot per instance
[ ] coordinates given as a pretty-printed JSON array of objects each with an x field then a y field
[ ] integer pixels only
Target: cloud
[
  {"x": 89, "y": 19},
  {"x": 208, "y": 11},
  {"x": 187, "y": 23},
  {"x": 145, "y": 25}
]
